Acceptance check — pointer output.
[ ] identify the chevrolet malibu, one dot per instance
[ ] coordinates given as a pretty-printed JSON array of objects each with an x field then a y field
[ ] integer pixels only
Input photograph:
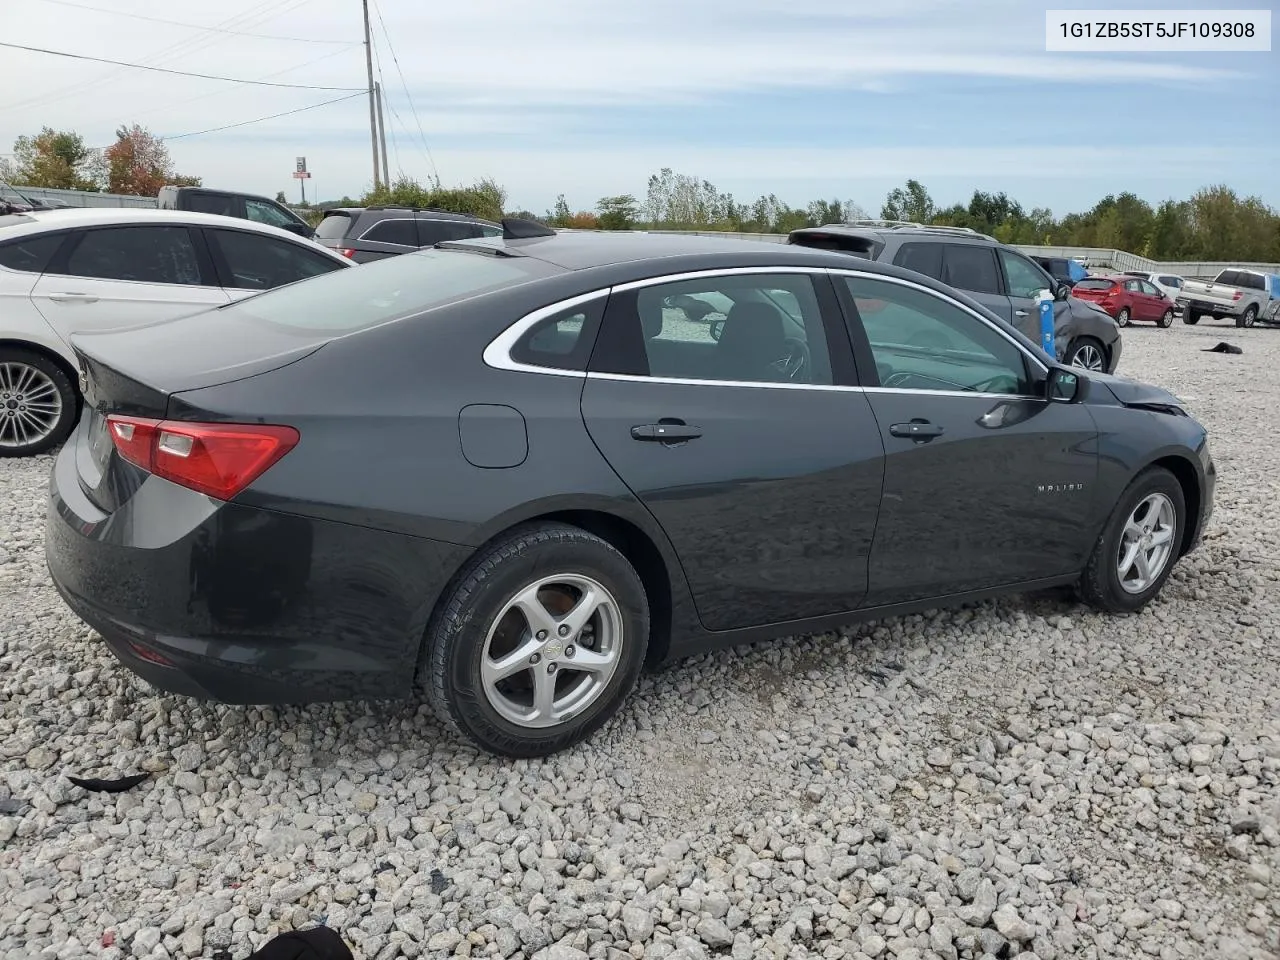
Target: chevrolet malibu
[{"x": 508, "y": 473}]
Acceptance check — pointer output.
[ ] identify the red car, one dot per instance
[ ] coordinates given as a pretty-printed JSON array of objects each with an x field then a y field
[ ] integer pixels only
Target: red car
[{"x": 1127, "y": 299}]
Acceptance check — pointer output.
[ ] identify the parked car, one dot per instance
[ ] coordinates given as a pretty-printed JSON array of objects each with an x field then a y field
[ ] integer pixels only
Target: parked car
[
  {"x": 1063, "y": 269},
  {"x": 997, "y": 276},
  {"x": 502, "y": 470},
  {"x": 230, "y": 203},
  {"x": 1128, "y": 299},
  {"x": 13, "y": 200},
  {"x": 101, "y": 269},
  {"x": 1170, "y": 284},
  {"x": 1241, "y": 295},
  {"x": 365, "y": 234}
]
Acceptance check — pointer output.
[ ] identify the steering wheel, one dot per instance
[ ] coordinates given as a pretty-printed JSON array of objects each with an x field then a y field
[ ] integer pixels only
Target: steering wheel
[
  {"x": 795, "y": 365},
  {"x": 1002, "y": 379}
]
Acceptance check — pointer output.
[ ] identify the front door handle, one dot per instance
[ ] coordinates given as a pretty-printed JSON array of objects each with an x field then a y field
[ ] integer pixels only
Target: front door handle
[
  {"x": 1019, "y": 313},
  {"x": 921, "y": 431},
  {"x": 73, "y": 298},
  {"x": 665, "y": 432}
]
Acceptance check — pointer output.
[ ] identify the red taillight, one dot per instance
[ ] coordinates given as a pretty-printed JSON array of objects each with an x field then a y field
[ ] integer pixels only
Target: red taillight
[
  {"x": 1237, "y": 295},
  {"x": 218, "y": 459},
  {"x": 151, "y": 656},
  {"x": 347, "y": 252}
]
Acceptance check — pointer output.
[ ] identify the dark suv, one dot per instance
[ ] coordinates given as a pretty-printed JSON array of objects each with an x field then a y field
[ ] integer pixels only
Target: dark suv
[
  {"x": 997, "y": 276},
  {"x": 372, "y": 233}
]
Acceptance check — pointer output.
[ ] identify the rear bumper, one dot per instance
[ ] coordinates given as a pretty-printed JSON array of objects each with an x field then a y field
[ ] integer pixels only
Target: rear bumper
[
  {"x": 1208, "y": 306},
  {"x": 242, "y": 605}
]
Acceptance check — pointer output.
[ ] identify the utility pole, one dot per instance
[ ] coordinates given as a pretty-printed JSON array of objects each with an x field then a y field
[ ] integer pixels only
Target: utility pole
[
  {"x": 373, "y": 116},
  {"x": 382, "y": 134}
]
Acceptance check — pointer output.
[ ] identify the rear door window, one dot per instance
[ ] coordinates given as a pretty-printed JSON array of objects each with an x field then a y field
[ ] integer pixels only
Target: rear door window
[
  {"x": 212, "y": 203},
  {"x": 148, "y": 254},
  {"x": 923, "y": 258},
  {"x": 256, "y": 262},
  {"x": 30, "y": 254},
  {"x": 400, "y": 231},
  {"x": 972, "y": 268},
  {"x": 431, "y": 232}
]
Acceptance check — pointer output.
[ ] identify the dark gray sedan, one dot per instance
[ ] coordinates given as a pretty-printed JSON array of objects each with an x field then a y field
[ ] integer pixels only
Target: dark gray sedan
[{"x": 510, "y": 472}]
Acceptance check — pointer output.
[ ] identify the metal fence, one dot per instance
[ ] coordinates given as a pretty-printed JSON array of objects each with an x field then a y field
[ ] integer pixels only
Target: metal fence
[{"x": 84, "y": 198}]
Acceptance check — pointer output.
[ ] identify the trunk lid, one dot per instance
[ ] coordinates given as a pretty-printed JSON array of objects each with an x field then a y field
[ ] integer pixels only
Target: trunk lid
[{"x": 135, "y": 372}]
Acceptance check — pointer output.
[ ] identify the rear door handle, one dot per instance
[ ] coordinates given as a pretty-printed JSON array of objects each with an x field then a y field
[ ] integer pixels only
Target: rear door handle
[
  {"x": 1019, "y": 313},
  {"x": 665, "y": 432},
  {"x": 73, "y": 298},
  {"x": 918, "y": 430}
]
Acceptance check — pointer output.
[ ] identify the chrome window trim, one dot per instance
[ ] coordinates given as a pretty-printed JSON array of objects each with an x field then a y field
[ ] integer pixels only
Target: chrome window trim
[{"x": 498, "y": 352}]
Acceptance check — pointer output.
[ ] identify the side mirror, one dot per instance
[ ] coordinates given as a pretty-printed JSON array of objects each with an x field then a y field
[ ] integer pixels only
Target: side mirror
[
  {"x": 1061, "y": 292},
  {"x": 1063, "y": 386}
]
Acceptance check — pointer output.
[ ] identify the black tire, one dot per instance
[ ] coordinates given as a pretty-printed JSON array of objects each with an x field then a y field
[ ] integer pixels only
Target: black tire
[
  {"x": 1100, "y": 582},
  {"x": 68, "y": 397},
  {"x": 1084, "y": 345},
  {"x": 1122, "y": 318},
  {"x": 1189, "y": 318},
  {"x": 1166, "y": 320},
  {"x": 1248, "y": 318},
  {"x": 481, "y": 591}
]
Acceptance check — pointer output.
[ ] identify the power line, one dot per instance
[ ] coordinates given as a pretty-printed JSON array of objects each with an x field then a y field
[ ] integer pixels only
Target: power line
[
  {"x": 190, "y": 26},
  {"x": 274, "y": 116},
  {"x": 408, "y": 96},
  {"x": 179, "y": 73}
]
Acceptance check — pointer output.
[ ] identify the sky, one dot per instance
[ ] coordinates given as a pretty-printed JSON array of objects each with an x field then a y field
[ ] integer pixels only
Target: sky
[{"x": 842, "y": 99}]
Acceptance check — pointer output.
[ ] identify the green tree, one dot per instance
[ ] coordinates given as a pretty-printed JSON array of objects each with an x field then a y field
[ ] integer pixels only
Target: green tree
[
  {"x": 485, "y": 198},
  {"x": 280, "y": 197},
  {"x": 561, "y": 215},
  {"x": 57, "y": 160},
  {"x": 617, "y": 213},
  {"x": 911, "y": 202}
]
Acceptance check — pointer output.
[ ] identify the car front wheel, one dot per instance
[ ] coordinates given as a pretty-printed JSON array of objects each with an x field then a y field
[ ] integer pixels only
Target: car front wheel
[
  {"x": 1166, "y": 320},
  {"x": 538, "y": 642},
  {"x": 38, "y": 403},
  {"x": 1088, "y": 353},
  {"x": 1136, "y": 550}
]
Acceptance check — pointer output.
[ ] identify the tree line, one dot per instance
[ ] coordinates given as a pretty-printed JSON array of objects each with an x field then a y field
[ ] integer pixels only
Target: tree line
[{"x": 1215, "y": 223}]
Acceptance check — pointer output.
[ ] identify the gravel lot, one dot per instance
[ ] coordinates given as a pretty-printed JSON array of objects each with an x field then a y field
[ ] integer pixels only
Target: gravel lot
[{"x": 1019, "y": 779}]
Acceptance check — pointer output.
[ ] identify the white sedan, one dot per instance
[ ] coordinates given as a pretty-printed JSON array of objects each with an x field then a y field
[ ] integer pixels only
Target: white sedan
[{"x": 65, "y": 271}]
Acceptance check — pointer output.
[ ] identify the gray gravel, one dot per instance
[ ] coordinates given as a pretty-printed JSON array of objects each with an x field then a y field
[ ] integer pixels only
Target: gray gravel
[{"x": 1019, "y": 779}]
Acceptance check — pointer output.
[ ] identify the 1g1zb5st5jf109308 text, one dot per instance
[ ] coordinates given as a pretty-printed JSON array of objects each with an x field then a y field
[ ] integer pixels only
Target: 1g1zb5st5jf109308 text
[{"x": 1157, "y": 31}]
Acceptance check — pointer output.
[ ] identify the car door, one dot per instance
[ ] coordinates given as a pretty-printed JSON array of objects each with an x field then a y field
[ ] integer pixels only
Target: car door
[
  {"x": 1153, "y": 299},
  {"x": 972, "y": 268},
  {"x": 247, "y": 262},
  {"x": 986, "y": 482},
  {"x": 1023, "y": 282},
  {"x": 120, "y": 276},
  {"x": 755, "y": 453},
  {"x": 1136, "y": 300}
]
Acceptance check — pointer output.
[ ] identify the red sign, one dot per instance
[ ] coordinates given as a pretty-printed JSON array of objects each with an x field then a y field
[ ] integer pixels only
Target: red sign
[{"x": 301, "y": 175}]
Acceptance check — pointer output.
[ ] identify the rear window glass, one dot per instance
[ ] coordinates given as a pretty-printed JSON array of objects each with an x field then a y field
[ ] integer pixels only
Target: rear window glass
[
  {"x": 31, "y": 254},
  {"x": 332, "y": 226},
  {"x": 389, "y": 289},
  {"x": 858, "y": 246},
  {"x": 1252, "y": 281},
  {"x": 1094, "y": 285}
]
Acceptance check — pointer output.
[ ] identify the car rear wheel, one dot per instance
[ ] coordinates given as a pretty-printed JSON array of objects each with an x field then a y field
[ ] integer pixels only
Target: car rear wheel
[
  {"x": 1189, "y": 318},
  {"x": 1248, "y": 318},
  {"x": 538, "y": 641},
  {"x": 1166, "y": 320},
  {"x": 1122, "y": 318},
  {"x": 1135, "y": 553},
  {"x": 1088, "y": 353},
  {"x": 38, "y": 403}
]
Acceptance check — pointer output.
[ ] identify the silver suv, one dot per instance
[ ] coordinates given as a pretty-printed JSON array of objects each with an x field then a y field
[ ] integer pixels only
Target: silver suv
[{"x": 995, "y": 275}]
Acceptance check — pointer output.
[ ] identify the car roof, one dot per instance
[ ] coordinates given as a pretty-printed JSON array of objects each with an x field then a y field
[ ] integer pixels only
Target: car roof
[
  {"x": 393, "y": 208},
  {"x": 574, "y": 250},
  {"x": 77, "y": 217},
  {"x": 879, "y": 229}
]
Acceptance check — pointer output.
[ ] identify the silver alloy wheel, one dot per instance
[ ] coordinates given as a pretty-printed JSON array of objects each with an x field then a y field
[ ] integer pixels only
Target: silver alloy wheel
[
  {"x": 1088, "y": 357},
  {"x": 1146, "y": 543},
  {"x": 30, "y": 405},
  {"x": 552, "y": 650},
  {"x": 1122, "y": 318}
]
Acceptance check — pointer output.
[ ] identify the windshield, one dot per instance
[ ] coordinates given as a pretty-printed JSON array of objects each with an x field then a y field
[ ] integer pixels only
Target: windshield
[{"x": 348, "y": 300}]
